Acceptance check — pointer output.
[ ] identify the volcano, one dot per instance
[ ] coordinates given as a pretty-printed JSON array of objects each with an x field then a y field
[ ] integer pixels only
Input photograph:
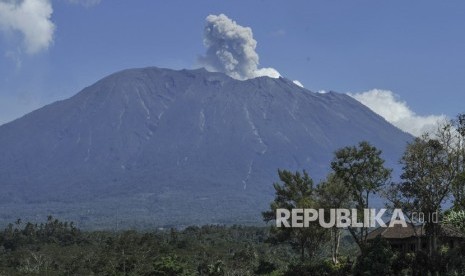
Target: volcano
[{"x": 152, "y": 146}]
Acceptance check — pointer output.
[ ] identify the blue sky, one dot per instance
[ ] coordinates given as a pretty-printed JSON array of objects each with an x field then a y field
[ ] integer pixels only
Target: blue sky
[{"x": 411, "y": 50}]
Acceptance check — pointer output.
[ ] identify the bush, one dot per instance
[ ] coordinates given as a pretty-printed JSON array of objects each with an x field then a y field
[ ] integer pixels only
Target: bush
[
  {"x": 168, "y": 266},
  {"x": 265, "y": 267},
  {"x": 378, "y": 259},
  {"x": 321, "y": 268}
]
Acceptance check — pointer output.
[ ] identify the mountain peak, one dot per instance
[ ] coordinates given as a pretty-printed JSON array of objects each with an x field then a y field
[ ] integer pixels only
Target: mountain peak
[{"x": 177, "y": 147}]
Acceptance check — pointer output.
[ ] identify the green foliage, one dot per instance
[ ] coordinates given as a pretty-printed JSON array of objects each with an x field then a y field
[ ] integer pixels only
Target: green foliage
[
  {"x": 59, "y": 248},
  {"x": 380, "y": 259},
  {"x": 430, "y": 169},
  {"x": 333, "y": 193},
  {"x": 456, "y": 129},
  {"x": 456, "y": 219},
  {"x": 377, "y": 259},
  {"x": 320, "y": 268},
  {"x": 168, "y": 266},
  {"x": 455, "y": 261},
  {"x": 296, "y": 191},
  {"x": 427, "y": 173},
  {"x": 265, "y": 267},
  {"x": 362, "y": 169},
  {"x": 51, "y": 232}
]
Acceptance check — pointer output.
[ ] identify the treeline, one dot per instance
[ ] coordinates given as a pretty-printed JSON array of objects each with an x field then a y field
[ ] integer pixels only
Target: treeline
[{"x": 58, "y": 248}]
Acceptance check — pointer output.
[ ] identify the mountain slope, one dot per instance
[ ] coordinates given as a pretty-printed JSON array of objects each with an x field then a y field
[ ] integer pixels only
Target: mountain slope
[{"x": 158, "y": 146}]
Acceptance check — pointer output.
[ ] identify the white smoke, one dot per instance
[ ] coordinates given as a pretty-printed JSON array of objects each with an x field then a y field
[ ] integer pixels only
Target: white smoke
[
  {"x": 231, "y": 49},
  {"x": 388, "y": 105},
  {"x": 32, "y": 19}
]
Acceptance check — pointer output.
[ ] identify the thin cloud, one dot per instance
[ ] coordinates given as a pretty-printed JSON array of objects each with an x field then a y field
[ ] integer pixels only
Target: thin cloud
[
  {"x": 15, "y": 57},
  {"x": 30, "y": 18},
  {"x": 231, "y": 49},
  {"x": 279, "y": 32},
  {"x": 397, "y": 112},
  {"x": 85, "y": 3}
]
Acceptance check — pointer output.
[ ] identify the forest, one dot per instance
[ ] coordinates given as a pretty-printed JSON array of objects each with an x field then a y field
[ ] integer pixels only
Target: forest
[{"x": 59, "y": 248}]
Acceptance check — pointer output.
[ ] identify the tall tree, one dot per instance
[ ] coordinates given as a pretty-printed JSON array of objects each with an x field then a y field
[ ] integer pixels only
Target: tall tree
[
  {"x": 362, "y": 169},
  {"x": 333, "y": 193},
  {"x": 296, "y": 191},
  {"x": 456, "y": 130},
  {"x": 431, "y": 167}
]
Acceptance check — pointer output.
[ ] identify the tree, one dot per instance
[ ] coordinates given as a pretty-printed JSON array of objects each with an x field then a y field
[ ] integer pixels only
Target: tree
[
  {"x": 168, "y": 266},
  {"x": 296, "y": 191},
  {"x": 429, "y": 170},
  {"x": 456, "y": 130},
  {"x": 362, "y": 169},
  {"x": 433, "y": 170},
  {"x": 333, "y": 193}
]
